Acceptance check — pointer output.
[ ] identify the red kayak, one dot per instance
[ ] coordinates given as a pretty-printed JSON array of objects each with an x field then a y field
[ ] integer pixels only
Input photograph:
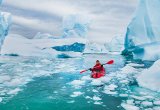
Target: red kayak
[{"x": 98, "y": 74}]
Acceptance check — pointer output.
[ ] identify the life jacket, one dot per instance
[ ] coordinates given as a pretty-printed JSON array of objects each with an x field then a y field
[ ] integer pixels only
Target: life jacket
[
  {"x": 98, "y": 71},
  {"x": 98, "y": 68}
]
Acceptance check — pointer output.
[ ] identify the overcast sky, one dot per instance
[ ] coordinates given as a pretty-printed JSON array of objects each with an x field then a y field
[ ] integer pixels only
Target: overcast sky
[{"x": 108, "y": 17}]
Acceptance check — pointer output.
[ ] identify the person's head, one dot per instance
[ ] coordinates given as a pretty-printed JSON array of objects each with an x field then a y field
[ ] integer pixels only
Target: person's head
[{"x": 98, "y": 62}]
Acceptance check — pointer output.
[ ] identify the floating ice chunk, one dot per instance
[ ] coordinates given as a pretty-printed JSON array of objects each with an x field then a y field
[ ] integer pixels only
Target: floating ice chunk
[
  {"x": 138, "y": 97},
  {"x": 128, "y": 69},
  {"x": 149, "y": 97},
  {"x": 86, "y": 78},
  {"x": 137, "y": 102},
  {"x": 124, "y": 81},
  {"x": 77, "y": 82},
  {"x": 129, "y": 107},
  {"x": 76, "y": 94},
  {"x": 97, "y": 103},
  {"x": 123, "y": 95},
  {"x": 4, "y": 78},
  {"x": 110, "y": 87},
  {"x": 1, "y": 99},
  {"x": 110, "y": 92},
  {"x": 147, "y": 104},
  {"x": 55, "y": 92},
  {"x": 88, "y": 97},
  {"x": 72, "y": 101},
  {"x": 143, "y": 93},
  {"x": 149, "y": 78},
  {"x": 14, "y": 82},
  {"x": 156, "y": 108},
  {"x": 96, "y": 82},
  {"x": 94, "y": 90},
  {"x": 2, "y": 93},
  {"x": 105, "y": 79},
  {"x": 130, "y": 102},
  {"x": 14, "y": 91},
  {"x": 51, "y": 97},
  {"x": 96, "y": 98},
  {"x": 156, "y": 103},
  {"x": 46, "y": 61},
  {"x": 38, "y": 66}
]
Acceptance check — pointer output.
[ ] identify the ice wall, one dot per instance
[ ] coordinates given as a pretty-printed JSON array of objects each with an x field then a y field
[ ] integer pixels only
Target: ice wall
[{"x": 144, "y": 29}]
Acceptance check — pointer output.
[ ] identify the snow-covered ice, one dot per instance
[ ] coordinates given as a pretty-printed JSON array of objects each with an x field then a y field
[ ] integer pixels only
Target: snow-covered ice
[
  {"x": 96, "y": 82},
  {"x": 19, "y": 45},
  {"x": 129, "y": 107},
  {"x": 1, "y": 99},
  {"x": 96, "y": 98},
  {"x": 77, "y": 83},
  {"x": 76, "y": 94},
  {"x": 149, "y": 78},
  {"x": 156, "y": 102},
  {"x": 147, "y": 104}
]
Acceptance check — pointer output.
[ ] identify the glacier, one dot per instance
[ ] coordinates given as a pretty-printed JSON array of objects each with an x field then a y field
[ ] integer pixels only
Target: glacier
[
  {"x": 142, "y": 36},
  {"x": 5, "y": 22}
]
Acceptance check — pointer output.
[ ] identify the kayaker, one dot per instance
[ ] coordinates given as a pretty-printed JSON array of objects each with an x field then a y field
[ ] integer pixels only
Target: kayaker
[{"x": 98, "y": 70}]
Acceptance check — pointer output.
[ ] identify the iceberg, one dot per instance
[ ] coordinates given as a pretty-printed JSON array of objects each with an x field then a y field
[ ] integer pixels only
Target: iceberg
[
  {"x": 17, "y": 45},
  {"x": 75, "y": 26},
  {"x": 75, "y": 47},
  {"x": 70, "y": 44},
  {"x": 5, "y": 21},
  {"x": 149, "y": 78},
  {"x": 116, "y": 44},
  {"x": 92, "y": 47},
  {"x": 142, "y": 36}
]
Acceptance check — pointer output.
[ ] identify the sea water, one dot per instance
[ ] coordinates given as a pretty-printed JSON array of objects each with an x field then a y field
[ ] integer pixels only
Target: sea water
[{"x": 34, "y": 83}]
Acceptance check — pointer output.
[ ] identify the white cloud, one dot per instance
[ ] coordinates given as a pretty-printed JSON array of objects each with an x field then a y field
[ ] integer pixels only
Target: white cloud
[
  {"x": 47, "y": 6},
  {"x": 109, "y": 17},
  {"x": 34, "y": 23}
]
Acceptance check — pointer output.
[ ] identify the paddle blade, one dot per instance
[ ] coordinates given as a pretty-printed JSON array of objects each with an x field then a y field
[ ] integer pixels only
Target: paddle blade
[
  {"x": 110, "y": 62},
  {"x": 83, "y": 71}
]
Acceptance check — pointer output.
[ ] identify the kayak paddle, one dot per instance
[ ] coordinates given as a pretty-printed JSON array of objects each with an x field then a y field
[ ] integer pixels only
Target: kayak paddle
[{"x": 109, "y": 62}]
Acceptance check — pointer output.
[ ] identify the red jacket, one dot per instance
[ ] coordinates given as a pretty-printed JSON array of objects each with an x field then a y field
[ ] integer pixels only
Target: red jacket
[{"x": 98, "y": 67}]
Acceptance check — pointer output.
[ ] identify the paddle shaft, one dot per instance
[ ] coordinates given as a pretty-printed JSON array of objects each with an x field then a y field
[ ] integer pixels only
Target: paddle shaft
[{"x": 109, "y": 62}]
